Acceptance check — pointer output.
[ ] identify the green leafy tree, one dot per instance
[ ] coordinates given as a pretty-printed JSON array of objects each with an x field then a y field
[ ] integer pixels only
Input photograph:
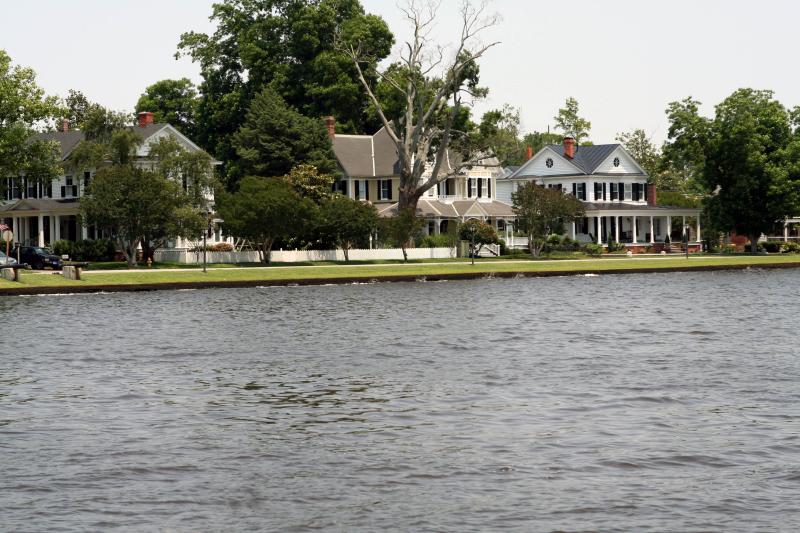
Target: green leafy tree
[
  {"x": 23, "y": 107},
  {"x": 289, "y": 45},
  {"x": 499, "y": 135},
  {"x": 478, "y": 234},
  {"x": 402, "y": 229},
  {"x": 683, "y": 155},
  {"x": 538, "y": 140},
  {"x": 571, "y": 124},
  {"x": 172, "y": 101},
  {"x": 542, "y": 212},
  {"x": 264, "y": 210},
  {"x": 275, "y": 137},
  {"x": 78, "y": 107},
  {"x": 638, "y": 144},
  {"x": 310, "y": 183},
  {"x": 347, "y": 222}
]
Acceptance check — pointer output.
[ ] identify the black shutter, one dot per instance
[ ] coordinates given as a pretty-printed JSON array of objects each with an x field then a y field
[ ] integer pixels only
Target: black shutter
[
  {"x": 489, "y": 187},
  {"x": 390, "y": 188},
  {"x": 469, "y": 187},
  {"x": 605, "y": 197},
  {"x": 447, "y": 187},
  {"x": 480, "y": 187},
  {"x": 439, "y": 188},
  {"x": 357, "y": 189},
  {"x": 366, "y": 189},
  {"x": 621, "y": 191},
  {"x": 575, "y": 190}
]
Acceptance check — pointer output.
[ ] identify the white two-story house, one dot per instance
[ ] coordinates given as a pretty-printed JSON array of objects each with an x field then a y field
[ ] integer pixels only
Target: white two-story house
[
  {"x": 371, "y": 172},
  {"x": 40, "y": 214},
  {"x": 620, "y": 205}
]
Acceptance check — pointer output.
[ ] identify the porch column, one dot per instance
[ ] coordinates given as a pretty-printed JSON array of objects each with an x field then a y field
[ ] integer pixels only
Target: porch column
[
  {"x": 633, "y": 229},
  {"x": 785, "y": 231},
  {"x": 573, "y": 231},
  {"x": 652, "y": 231},
  {"x": 616, "y": 229},
  {"x": 84, "y": 231},
  {"x": 684, "y": 228},
  {"x": 58, "y": 228},
  {"x": 698, "y": 230},
  {"x": 40, "y": 226},
  {"x": 15, "y": 225},
  {"x": 598, "y": 225},
  {"x": 669, "y": 227}
]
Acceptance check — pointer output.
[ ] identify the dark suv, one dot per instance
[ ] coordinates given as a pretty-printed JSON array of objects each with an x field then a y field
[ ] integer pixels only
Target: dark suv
[{"x": 37, "y": 257}]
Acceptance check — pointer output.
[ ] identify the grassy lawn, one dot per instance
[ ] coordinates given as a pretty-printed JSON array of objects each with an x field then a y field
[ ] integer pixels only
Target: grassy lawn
[{"x": 377, "y": 271}]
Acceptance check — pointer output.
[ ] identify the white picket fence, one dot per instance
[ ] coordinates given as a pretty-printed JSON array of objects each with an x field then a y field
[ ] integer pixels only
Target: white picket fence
[{"x": 301, "y": 256}]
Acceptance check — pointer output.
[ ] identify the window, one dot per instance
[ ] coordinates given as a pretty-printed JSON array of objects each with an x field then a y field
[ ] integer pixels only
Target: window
[
  {"x": 598, "y": 190},
  {"x": 501, "y": 225},
  {"x": 549, "y": 162},
  {"x": 384, "y": 190},
  {"x": 360, "y": 191},
  {"x": 483, "y": 187},
  {"x": 628, "y": 191},
  {"x": 616, "y": 161},
  {"x": 431, "y": 227},
  {"x": 473, "y": 187}
]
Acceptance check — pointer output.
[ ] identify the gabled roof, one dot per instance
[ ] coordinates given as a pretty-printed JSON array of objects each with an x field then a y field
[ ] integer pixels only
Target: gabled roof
[
  {"x": 68, "y": 140},
  {"x": 39, "y": 204},
  {"x": 362, "y": 156},
  {"x": 456, "y": 209},
  {"x": 587, "y": 158}
]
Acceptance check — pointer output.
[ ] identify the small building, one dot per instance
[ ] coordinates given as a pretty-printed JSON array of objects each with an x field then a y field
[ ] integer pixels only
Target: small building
[
  {"x": 371, "y": 172},
  {"x": 621, "y": 206},
  {"x": 40, "y": 214}
]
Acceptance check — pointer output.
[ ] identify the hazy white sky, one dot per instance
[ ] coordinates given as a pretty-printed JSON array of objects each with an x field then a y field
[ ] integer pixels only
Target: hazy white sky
[{"x": 624, "y": 60}]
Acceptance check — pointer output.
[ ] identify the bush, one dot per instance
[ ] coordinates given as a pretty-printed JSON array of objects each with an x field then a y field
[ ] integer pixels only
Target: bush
[
  {"x": 595, "y": 250},
  {"x": 63, "y": 248},
  {"x": 790, "y": 248},
  {"x": 86, "y": 250},
  {"x": 727, "y": 249},
  {"x": 554, "y": 240},
  {"x": 435, "y": 241},
  {"x": 615, "y": 247},
  {"x": 772, "y": 247}
]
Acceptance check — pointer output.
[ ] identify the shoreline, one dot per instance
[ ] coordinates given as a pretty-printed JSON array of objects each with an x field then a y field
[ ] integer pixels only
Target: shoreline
[{"x": 391, "y": 278}]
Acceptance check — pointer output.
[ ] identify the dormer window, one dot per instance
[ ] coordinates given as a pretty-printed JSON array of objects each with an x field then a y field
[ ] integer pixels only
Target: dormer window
[{"x": 549, "y": 162}]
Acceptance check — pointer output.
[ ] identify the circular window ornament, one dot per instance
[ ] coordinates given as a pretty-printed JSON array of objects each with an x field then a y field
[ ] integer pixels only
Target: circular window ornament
[
  {"x": 616, "y": 161},
  {"x": 549, "y": 162}
]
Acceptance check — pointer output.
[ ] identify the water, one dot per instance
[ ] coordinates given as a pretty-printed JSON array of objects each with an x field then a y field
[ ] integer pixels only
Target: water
[{"x": 661, "y": 402}]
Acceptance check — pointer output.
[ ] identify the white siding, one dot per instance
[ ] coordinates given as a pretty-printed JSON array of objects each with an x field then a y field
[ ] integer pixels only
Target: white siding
[
  {"x": 626, "y": 164},
  {"x": 537, "y": 166}
]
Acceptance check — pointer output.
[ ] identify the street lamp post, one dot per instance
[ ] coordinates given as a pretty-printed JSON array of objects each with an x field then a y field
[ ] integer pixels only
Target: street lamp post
[{"x": 686, "y": 239}]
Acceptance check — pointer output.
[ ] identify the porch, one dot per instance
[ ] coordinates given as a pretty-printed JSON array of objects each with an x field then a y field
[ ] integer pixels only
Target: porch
[
  {"x": 645, "y": 226},
  {"x": 40, "y": 222}
]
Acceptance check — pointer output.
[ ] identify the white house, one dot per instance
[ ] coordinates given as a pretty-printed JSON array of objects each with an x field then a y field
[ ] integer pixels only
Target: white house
[
  {"x": 40, "y": 214},
  {"x": 371, "y": 170},
  {"x": 620, "y": 205}
]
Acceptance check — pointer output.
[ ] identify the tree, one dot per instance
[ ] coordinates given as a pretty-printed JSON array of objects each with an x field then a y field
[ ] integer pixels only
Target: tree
[
  {"x": 78, "y": 107},
  {"x": 542, "y": 212},
  {"x": 538, "y": 140},
  {"x": 133, "y": 204},
  {"x": 310, "y": 183},
  {"x": 479, "y": 234},
  {"x": 264, "y": 210},
  {"x": 432, "y": 90},
  {"x": 498, "y": 133},
  {"x": 23, "y": 107},
  {"x": 275, "y": 137},
  {"x": 683, "y": 155},
  {"x": 290, "y": 46},
  {"x": 347, "y": 222},
  {"x": 401, "y": 229},
  {"x": 572, "y": 125},
  {"x": 644, "y": 152},
  {"x": 172, "y": 101},
  {"x": 746, "y": 160}
]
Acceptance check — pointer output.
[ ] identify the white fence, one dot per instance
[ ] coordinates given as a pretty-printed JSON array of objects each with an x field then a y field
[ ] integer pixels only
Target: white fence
[{"x": 300, "y": 256}]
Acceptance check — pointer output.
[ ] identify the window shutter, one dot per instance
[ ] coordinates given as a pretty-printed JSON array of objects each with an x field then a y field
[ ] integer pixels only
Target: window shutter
[
  {"x": 469, "y": 187},
  {"x": 605, "y": 197},
  {"x": 439, "y": 188},
  {"x": 390, "y": 188},
  {"x": 480, "y": 187},
  {"x": 366, "y": 189},
  {"x": 645, "y": 192},
  {"x": 357, "y": 189},
  {"x": 575, "y": 190},
  {"x": 489, "y": 187}
]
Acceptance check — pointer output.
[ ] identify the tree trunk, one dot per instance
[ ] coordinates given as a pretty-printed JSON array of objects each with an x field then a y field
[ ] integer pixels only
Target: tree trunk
[
  {"x": 346, "y": 251},
  {"x": 405, "y": 254},
  {"x": 130, "y": 250},
  {"x": 754, "y": 243},
  {"x": 267, "y": 250}
]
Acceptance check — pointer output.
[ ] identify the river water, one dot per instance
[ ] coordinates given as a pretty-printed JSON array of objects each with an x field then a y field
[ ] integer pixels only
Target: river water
[{"x": 658, "y": 402}]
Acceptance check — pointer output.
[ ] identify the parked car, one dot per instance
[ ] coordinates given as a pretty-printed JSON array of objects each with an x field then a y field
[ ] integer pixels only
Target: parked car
[
  {"x": 5, "y": 260},
  {"x": 38, "y": 258}
]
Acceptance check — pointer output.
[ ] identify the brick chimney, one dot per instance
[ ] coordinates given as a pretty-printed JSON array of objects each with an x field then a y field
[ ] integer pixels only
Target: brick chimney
[
  {"x": 528, "y": 153},
  {"x": 330, "y": 123},
  {"x": 64, "y": 126},
  {"x": 145, "y": 119},
  {"x": 651, "y": 194},
  {"x": 569, "y": 147}
]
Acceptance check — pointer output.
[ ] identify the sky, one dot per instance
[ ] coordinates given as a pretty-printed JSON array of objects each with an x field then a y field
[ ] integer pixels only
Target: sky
[{"x": 623, "y": 60}]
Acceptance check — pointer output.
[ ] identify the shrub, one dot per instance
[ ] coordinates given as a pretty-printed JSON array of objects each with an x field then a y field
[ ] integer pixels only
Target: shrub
[
  {"x": 554, "y": 240},
  {"x": 772, "y": 247},
  {"x": 595, "y": 250},
  {"x": 435, "y": 241},
  {"x": 63, "y": 248},
  {"x": 86, "y": 250},
  {"x": 727, "y": 249},
  {"x": 790, "y": 248},
  {"x": 615, "y": 246},
  {"x": 221, "y": 247}
]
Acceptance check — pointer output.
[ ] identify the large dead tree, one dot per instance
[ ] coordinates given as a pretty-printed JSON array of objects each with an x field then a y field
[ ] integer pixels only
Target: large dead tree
[{"x": 434, "y": 87}]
